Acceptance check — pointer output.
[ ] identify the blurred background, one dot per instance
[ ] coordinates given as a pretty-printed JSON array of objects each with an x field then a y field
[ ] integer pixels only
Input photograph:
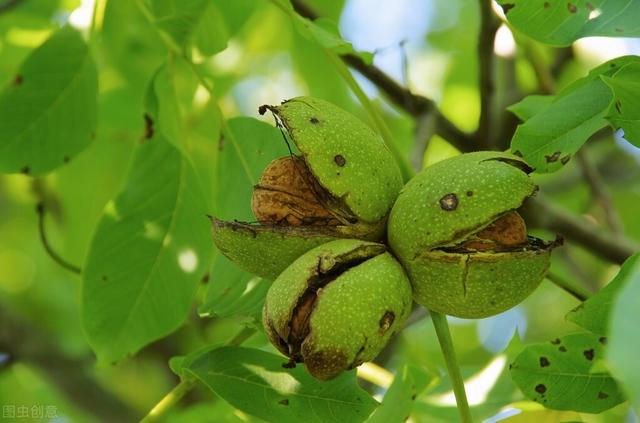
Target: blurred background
[{"x": 426, "y": 46}]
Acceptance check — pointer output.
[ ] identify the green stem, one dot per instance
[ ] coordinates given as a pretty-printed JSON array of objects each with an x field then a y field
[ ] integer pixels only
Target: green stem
[
  {"x": 186, "y": 385},
  {"x": 446, "y": 345},
  {"x": 169, "y": 400},
  {"x": 569, "y": 286}
]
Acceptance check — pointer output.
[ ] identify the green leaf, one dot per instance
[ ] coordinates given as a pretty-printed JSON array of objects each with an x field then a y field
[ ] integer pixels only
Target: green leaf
[
  {"x": 594, "y": 313},
  {"x": 255, "y": 382},
  {"x": 151, "y": 247},
  {"x": 398, "y": 402},
  {"x": 530, "y": 106},
  {"x": 624, "y": 344},
  {"x": 149, "y": 251},
  {"x": 561, "y": 23},
  {"x": 326, "y": 33},
  {"x": 211, "y": 33},
  {"x": 233, "y": 292},
  {"x": 48, "y": 113},
  {"x": 624, "y": 111},
  {"x": 549, "y": 138},
  {"x": 186, "y": 21},
  {"x": 558, "y": 374}
]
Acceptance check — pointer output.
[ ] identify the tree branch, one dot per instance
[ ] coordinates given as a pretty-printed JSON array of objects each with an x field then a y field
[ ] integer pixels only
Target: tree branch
[
  {"x": 541, "y": 213},
  {"x": 415, "y": 105},
  {"x": 489, "y": 23},
  {"x": 26, "y": 343},
  {"x": 8, "y": 5}
]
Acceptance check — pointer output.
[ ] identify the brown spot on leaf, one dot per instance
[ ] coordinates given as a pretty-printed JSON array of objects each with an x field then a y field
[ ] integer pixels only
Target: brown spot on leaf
[
  {"x": 18, "y": 80},
  {"x": 603, "y": 340},
  {"x": 413, "y": 397},
  {"x": 588, "y": 354},
  {"x": 284, "y": 402},
  {"x": 540, "y": 388},
  {"x": 602, "y": 395},
  {"x": 562, "y": 348},
  {"x": 618, "y": 105},
  {"x": 314, "y": 120},
  {"x": 26, "y": 170},
  {"x": 544, "y": 362},
  {"x": 564, "y": 160},
  {"x": 449, "y": 202},
  {"x": 469, "y": 193},
  {"x": 590, "y": 7},
  {"x": 572, "y": 8},
  {"x": 148, "y": 126},
  {"x": 553, "y": 158},
  {"x": 556, "y": 341},
  {"x": 386, "y": 321},
  {"x": 506, "y": 7},
  {"x": 340, "y": 160},
  {"x": 546, "y": 5}
]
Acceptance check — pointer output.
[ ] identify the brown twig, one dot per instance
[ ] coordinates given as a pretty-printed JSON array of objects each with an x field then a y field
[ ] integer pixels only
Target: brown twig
[
  {"x": 415, "y": 105},
  {"x": 27, "y": 343},
  {"x": 489, "y": 23},
  {"x": 8, "y": 5},
  {"x": 572, "y": 227},
  {"x": 541, "y": 213},
  {"x": 40, "y": 209}
]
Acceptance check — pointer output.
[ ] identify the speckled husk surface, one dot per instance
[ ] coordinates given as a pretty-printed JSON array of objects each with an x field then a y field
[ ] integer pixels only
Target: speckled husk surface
[
  {"x": 348, "y": 160},
  {"x": 476, "y": 285},
  {"x": 442, "y": 207},
  {"x": 454, "y": 198},
  {"x": 366, "y": 299},
  {"x": 346, "y": 156},
  {"x": 267, "y": 250}
]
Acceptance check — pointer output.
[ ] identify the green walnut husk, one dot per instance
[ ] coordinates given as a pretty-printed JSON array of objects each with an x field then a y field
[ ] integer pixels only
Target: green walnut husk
[
  {"x": 444, "y": 207},
  {"x": 349, "y": 169},
  {"x": 336, "y": 306}
]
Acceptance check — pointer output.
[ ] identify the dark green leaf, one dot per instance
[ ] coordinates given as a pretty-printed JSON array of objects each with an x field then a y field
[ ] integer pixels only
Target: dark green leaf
[
  {"x": 48, "y": 113},
  {"x": 530, "y": 106},
  {"x": 624, "y": 343},
  {"x": 594, "y": 313},
  {"x": 624, "y": 111},
  {"x": 255, "y": 382},
  {"x": 560, "y": 23},
  {"x": 558, "y": 374},
  {"x": 151, "y": 247},
  {"x": 548, "y": 139}
]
